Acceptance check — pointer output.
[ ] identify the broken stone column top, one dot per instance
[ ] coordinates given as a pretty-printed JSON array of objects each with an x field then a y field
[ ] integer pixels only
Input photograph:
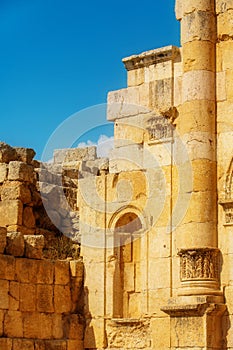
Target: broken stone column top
[{"x": 148, "y": 58}]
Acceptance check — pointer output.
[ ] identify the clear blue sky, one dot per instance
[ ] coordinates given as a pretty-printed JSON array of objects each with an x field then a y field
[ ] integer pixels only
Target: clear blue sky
[{"x": 60, "y": 56}]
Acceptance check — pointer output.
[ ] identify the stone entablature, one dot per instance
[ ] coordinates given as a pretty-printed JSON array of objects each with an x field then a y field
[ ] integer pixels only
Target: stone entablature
[{"x": 148, "y": 58}]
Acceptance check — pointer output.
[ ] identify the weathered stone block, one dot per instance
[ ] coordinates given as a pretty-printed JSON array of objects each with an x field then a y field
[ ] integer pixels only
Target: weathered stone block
[
  {"x": 5, "y": 343},
  {"x": 160, "y": 94},
  {"x": 27, "y": 297},
  {"x": 20, "y": 171},
  {"x": 199, "y": 116},
  {"x": 4, "y": 290},
  {"x": 46, "y": 331},
  {"x": 34, "y": 246},
  {"x": 135, "y": 77},
  {"x": 73, "y": 327},
  {"x": 126, "y": 158},
  {"x": 55, "y": 345},
  {"x": 62, "y": 299},
  {"x": 187, "y": 332},
  {"x": 199, "y": 145},
  {"x": 62, "y": 272},
  {"x": 28, "y": 217},
  {"x": 75, "y": 345},
  {"x": 197, "y": 85},
  {"x": 131, "y": 106},
  {"x": 7, "y": 267},
  {"x": 13, "y": 324},
  {"x": 40, "y": 345},
  {"x": 45, "y": 273},
  {"x": 3, "y": 172},
  {"x": 31, "y": 325},
  {"x": 3, "y": 233},
  {"x": 26, "y": 270},
  {"x": 15, "y": 244},
  {"x": 159, "y": 280},
  {"x": 2, "y": 316},
  {"x": 14, "y": 296},
  {"x": 223, "y": 6},
  {"x": 161, "y": 333},
  {"x": 192, "y": 59},
  {"x": 57, "y": 326},
  {"x": 22, "y": 344},
  {"x": 11, "y": 212},
  {"x": 25, "y": 155},
  {"x": 224, "y": 23},
  {"x": 44, "y": 298},
  {"x": 198, "y": 25},
  {"x": 16, "y": 190},
  {"x": 74, "y": 154},
  {"x": 225, "y": 60},
  {"x": 126, "y": 132},
  {"x": 37, "y": 325},
  {"x": 7, "y": 153}
]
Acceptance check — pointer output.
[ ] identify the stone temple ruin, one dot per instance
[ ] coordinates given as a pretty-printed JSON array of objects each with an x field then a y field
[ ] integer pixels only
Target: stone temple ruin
[{"x": 134, "y": 251}]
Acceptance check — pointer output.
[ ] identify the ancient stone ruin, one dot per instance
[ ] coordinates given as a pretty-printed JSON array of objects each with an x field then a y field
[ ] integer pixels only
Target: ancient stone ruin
[{"x": 134, "y": 251}]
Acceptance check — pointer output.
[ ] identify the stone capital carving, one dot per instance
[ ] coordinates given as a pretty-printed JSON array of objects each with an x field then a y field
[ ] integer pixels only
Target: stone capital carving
[{"x": 199, "y": 264}]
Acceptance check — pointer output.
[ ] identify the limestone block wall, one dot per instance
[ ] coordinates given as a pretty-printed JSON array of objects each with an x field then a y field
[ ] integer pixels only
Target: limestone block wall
[
  {"x": 40, "y": 303},
  {"x": 224, "y": 76},
  {"x": 124, "y": 284}
]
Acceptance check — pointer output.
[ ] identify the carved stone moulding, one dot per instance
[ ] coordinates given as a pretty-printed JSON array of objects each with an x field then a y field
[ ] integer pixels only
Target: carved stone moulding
[
  {"x": 159, "y": 129},
  {"x": 152, "y": 57},
  {"x": 227, "y": 205},
  {"x": 199, "y": 271}
]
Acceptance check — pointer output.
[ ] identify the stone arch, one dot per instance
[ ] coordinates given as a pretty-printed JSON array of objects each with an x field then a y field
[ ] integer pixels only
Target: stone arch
[
  {"x": 124, "y": 211},
  {"x": 128, "y": 224}
]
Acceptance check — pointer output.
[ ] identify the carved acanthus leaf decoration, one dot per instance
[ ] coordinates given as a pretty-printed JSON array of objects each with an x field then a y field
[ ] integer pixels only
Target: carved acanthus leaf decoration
[{"x": 199, "y": 264}]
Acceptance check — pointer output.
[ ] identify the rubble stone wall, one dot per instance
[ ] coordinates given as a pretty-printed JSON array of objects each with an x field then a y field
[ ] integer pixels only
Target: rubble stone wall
[{"x": 40, "y": 299}]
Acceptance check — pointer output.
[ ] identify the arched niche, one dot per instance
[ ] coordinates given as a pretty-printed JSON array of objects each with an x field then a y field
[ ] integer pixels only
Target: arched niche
[{"x": 128, "y": 227}]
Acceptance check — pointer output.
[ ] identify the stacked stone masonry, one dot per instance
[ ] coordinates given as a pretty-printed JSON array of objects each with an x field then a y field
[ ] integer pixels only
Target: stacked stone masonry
[
  {"x": 41, "y": 299},
  {"x": 39, "y": 304}
]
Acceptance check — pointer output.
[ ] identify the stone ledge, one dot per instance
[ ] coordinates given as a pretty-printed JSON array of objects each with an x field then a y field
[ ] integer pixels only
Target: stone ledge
[
  {"x": 194, "y": 306},
  {"x": 127, "y": 321},
  {"x": 148, "y": 58}
]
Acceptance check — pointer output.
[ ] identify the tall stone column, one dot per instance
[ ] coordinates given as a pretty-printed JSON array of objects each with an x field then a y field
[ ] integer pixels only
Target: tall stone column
[
  {"x": 196, "y": 128},
  {"x": 196, "y": 313}
]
